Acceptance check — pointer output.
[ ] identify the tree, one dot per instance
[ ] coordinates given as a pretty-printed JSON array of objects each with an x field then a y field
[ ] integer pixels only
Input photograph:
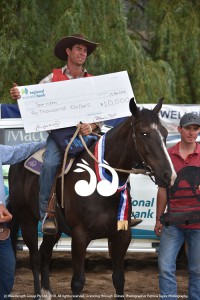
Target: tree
[
  {"x": 151, "y": 44},
  {"x": 173, "y": 32}
]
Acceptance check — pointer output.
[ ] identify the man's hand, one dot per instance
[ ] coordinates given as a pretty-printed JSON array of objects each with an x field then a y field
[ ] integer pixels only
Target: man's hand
[
  {"x": 5, "y": 216},
  {"x": 158, "y": 228},
  {"x": 14, "y": 92},
  {"x": 86, "y": 129}
]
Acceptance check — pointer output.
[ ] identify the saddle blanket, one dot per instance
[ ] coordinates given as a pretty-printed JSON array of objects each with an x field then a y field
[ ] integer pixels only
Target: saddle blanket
[{"x": 35, "y": 161}]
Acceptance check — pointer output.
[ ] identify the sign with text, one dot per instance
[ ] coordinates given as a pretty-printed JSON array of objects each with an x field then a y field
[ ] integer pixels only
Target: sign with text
[
  {"x": 66, "y": 103},
  {"x": 170, "y": 114}
]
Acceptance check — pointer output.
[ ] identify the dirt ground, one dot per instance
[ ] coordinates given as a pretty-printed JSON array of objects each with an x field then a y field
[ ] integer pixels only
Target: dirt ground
[{"x": 141, "y": 275}]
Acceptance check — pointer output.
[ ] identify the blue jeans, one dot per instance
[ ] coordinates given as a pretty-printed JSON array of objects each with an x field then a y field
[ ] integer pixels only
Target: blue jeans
[
  {"x": 52, "y": 160},
  {"x": 7, "y": 268},
  {"x": 171, "y": 241}
]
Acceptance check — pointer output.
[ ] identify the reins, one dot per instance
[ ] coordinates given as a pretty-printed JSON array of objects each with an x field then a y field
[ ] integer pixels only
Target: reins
[
  {"x": 145, "y": 171},
  {"x": 133, "y": 171}
]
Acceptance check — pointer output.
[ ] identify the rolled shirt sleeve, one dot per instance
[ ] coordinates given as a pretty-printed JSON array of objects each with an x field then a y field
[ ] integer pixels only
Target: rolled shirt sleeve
[{"x": 12, "y": 154}]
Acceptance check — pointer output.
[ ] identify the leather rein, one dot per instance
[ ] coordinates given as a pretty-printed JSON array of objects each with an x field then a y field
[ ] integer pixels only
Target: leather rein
[{"x": 145, "y": 170}]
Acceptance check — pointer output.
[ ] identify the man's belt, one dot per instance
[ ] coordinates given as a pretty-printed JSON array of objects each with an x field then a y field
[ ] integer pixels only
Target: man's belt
[{"x": 180, "y": 218}]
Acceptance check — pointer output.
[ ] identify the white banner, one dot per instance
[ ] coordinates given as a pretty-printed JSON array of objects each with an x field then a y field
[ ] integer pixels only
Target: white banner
[
  {"x": 170, "y": 114},
  {"x": 66, "y": 103}
]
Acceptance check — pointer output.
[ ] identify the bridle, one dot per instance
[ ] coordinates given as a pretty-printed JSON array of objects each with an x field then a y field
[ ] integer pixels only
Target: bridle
[{"x": 147, "y": 168}]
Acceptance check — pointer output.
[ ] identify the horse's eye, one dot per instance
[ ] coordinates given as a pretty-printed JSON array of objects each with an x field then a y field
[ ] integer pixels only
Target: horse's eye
[{"x": 144, "y": 134}]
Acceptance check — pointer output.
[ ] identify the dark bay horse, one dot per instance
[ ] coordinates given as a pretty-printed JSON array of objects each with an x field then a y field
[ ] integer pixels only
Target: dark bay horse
[{"x": 137, "y": 140}]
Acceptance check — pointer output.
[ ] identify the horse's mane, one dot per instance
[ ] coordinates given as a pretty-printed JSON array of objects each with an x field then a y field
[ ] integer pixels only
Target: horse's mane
[
  {"x": 144, "y": 116},
  {"x": 147, "y": 117},
  {"x": 120, "y": 125}
]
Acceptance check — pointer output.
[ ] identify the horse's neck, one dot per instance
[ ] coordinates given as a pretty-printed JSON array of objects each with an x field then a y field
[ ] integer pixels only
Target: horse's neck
[{"x": 119, "y": 147}]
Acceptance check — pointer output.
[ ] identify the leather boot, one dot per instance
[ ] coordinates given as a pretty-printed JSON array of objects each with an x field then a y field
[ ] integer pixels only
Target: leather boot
[{"x": 135, "y": 222}]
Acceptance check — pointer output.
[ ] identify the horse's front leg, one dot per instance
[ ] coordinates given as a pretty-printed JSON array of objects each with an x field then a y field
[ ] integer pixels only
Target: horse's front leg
[
  {"x": 79, "y": 246},
  {"x": 119, "y": 243},
  {"x": 30, "y": 237},
  {"x": 46, "y": 250}
]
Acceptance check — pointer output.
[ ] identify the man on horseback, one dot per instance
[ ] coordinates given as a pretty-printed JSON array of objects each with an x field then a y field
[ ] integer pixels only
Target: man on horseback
[{"x": 74, "y": 49}]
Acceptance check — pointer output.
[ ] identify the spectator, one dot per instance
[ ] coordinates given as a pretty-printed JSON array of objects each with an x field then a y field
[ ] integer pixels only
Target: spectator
[
  {"x": 183, "y": 154},
  {"x": 9, "y": 155}
]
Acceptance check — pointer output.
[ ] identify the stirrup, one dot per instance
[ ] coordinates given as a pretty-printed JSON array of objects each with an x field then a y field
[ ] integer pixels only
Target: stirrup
[{"x": 49, "y": 225}]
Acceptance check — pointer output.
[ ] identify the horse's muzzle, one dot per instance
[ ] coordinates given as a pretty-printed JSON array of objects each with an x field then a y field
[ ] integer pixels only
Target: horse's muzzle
[{"x": 166, "y": 180}]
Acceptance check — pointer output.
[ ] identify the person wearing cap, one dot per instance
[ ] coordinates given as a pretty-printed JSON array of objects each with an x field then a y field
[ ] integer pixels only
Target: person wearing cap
[
  {"x": 74, "y": 49},
  {"x": 185, "y": 153}
]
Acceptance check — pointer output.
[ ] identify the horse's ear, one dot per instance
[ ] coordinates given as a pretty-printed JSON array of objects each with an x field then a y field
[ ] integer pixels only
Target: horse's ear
[
  {"x": 133, "y": 107},
  {"x": 158, "y": 106}
]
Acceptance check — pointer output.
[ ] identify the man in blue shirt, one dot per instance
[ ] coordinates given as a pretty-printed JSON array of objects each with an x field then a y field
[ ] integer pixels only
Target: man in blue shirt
[{"x": 9, "y": 155}]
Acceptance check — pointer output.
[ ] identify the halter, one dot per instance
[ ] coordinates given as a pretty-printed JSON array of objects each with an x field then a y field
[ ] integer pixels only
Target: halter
[{"x": 148, "y": 170}]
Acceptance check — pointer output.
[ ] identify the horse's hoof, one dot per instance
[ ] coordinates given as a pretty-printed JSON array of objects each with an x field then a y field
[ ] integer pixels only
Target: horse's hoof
[
  {"x": 46, "y": 295},
  {"x": 135, "y": 222}
]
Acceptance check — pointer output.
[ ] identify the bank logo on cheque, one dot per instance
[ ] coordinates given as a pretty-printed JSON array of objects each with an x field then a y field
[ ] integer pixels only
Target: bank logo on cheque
[
  {"x": 33, "y": 93},
  {"x": 24, "y": 91},
  {"x": 104, "y": 187}
]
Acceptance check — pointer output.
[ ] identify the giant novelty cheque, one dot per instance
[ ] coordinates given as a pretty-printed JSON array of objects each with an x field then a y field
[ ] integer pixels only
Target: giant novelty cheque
[
  {"x": 92, "y": 99},
  {"x": 66, "y": 103}
]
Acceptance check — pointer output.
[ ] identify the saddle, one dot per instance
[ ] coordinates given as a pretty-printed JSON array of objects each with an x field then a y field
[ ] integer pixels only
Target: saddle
[
  {"x": 35, "y": 161},
  {"x": 34, "y": 165}
]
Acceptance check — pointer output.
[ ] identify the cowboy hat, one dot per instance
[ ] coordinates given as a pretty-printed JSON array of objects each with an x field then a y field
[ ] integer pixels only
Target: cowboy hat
[{"x": 69, "y": 41}]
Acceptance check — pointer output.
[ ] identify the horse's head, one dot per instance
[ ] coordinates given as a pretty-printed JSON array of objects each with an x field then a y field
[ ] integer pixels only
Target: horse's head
[{"x": 150, "y": 137}]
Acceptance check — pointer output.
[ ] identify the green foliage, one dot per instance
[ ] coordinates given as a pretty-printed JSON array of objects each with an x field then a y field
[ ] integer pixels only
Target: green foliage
[
  {"x": 21, "y": 44},
  {"x": 177, "y": 41},
  {"x": 157, "y": 42}
]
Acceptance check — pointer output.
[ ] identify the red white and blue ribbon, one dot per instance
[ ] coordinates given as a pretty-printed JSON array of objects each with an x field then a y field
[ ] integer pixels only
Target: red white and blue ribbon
[{"x": 101, "y": 174}]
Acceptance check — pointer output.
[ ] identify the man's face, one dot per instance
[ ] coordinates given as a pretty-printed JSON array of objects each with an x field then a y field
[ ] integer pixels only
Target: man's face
[
  {"x": 77, "y": 54},
  {"x": 189, "y": 133}
]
